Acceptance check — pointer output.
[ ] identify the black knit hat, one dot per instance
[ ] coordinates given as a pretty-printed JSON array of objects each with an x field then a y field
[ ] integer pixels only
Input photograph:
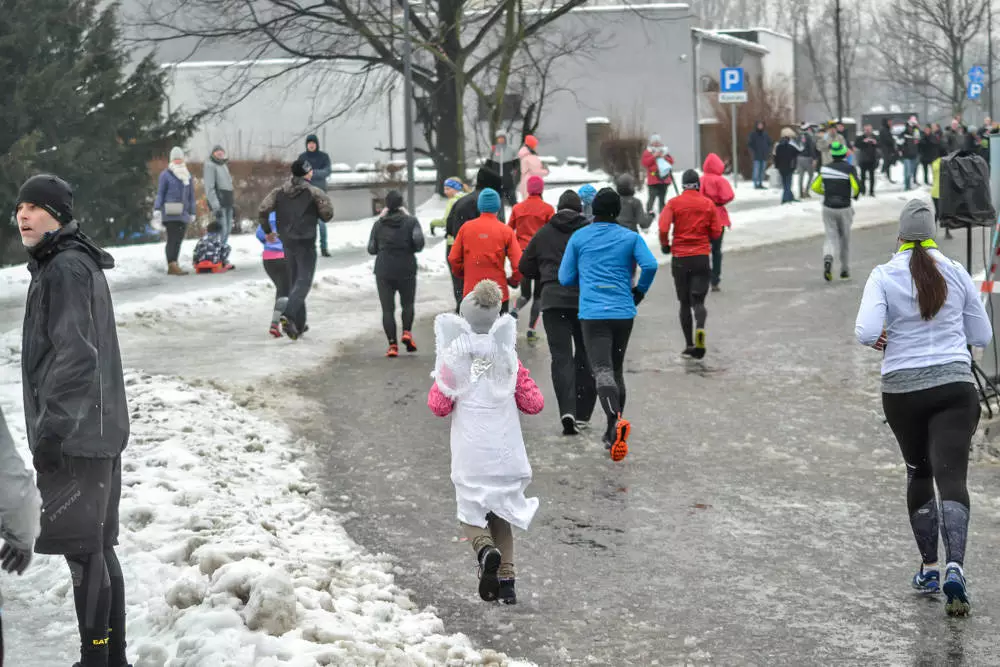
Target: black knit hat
[
  {"x": 570, "y": 200},
  {"x": 394, "y": 200},
  {"x": 690, "y": 180},
  {"x": 51, "y": 193},
  {"x": 300, "y": 168},
  {"x": 607, "y": 205}
]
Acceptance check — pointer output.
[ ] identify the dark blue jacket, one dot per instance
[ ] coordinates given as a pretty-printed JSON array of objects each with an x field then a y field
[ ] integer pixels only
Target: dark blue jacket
[
  {"x": 319, "y": 161},
  {"x": 760, "y": 145}
]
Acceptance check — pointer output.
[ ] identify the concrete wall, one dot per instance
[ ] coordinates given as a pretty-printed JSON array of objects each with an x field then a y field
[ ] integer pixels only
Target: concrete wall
[{"x": 710, "y": 63}]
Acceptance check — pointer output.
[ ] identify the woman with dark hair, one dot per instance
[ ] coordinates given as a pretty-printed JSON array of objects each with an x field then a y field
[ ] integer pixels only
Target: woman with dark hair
[{"x": 922, "y": 309}]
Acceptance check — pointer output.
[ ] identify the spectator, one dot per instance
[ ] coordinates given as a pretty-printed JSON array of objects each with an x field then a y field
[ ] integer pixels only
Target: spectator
[
  {"x": 929, "y": 148},
  {"x": 174, "y": 207},
  {"x": 786, "y": 156},
  {"x": 890, "y": 151},
  {"x": 219, "y": 191},
  {"x": 806, "y": 164},
  {"x": 320, "y": 164},
  {"x": 759, "y": 144},
  {"x": 531, "y": 165},
  {"x": 867, "y": 149},
  {"x": 211, "y": 255},
  {"x": 911, "y": 152},
  {"x": 659, "y": 173}
]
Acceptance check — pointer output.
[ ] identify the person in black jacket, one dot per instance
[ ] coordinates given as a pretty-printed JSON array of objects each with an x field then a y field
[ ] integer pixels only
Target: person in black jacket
[
  {"x": 786, "y": 157},
  {"x": 887, "y": 143},
  {"x": 75, "y": 409},
  {"x": 572, "y": 379},
  {"x": 395, "y": 240},
  {"x": 321, "y": 170},
  {"x": 838, "y": 183},
  {"x": 298, "y": 208},
  {"x": 503, "y": 160},
  {"x": 867, "y": 148},
  {"x": 465, "y": 209},
  {"x": 911, "y": 153},
  {"x": 929, "y": 147}
]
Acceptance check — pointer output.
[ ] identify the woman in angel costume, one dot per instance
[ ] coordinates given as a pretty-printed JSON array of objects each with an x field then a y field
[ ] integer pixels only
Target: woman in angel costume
[{"x": 479, "y": 380}]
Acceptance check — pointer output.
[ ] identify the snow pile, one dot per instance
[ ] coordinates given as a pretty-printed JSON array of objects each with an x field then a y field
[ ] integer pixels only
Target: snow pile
[{"x": 229, "y": 558}]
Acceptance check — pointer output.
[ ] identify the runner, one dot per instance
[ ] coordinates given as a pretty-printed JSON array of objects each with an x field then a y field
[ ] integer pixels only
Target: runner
[
  {"x": 599, "y": 260},
  {"x": 716, "y": 187},
  {"x": 478, "y": 378},
  {"x": 696, "y": 224},
  {"x": 923, "y": 310},
  {"x": 838, "y": 183},
  {"x": 395, "y": 240},
  {"x": 463, "y": 210},
  {"x": 571, "y": 376},
  {"x": 527, "y": 218},
  {"x": 277, "y": 270}
]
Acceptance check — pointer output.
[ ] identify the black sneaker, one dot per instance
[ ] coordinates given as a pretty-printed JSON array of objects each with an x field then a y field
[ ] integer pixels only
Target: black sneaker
[
  {"x": 828, "y": 269},
  {"x": 688, "y": 352},
  {"x": 569, "y": 425},
  {"x": 716, "y": 288},
  {"x": 289, "y": 328},
  {"x": 507, "y": 593},
  {"x": 845, "y": 275},
  {"x": 489, "y": 565},
  {"x": 325, "y": 253}
]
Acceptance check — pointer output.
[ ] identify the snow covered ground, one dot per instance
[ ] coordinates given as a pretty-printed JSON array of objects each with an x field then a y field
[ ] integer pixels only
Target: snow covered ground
[{"x": 229, "y": 559}]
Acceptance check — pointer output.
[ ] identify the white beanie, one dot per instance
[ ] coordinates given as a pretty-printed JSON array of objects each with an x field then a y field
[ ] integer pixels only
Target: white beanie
[
  {"x": 176, "y": 153},
  {"x": 481, "y": 306}
]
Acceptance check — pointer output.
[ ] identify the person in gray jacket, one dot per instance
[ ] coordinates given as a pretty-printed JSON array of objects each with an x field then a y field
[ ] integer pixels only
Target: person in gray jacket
[
  {"x": 75, "y": 410},
  {"x": 219, "y": 191}
]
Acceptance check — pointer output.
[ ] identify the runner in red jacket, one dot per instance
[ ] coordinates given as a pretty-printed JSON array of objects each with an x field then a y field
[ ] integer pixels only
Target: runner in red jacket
[
  {"x": 483, "y": 246},
  {"x": 528, "y": 217},
  {"x": 715, "y": 186},
  {"x": 695, "y": 223}
]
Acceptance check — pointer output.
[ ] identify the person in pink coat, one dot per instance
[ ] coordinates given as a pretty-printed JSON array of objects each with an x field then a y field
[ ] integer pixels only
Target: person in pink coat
[
  {"x": 716, "y": 187},
  {"x": 531, "y": 165}
]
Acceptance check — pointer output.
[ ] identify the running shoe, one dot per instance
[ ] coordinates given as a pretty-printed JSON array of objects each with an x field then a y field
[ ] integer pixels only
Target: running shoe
[
  {"x": 845, "y": 275},
  {"x": 275, "y": 330},
  {"x": 489, "y": 565},
  {"x": 532, "y": 336},
  {"x": 582, "y": 424},
  {"x": 828, "y": 269},
  {"x": 289, "y": 328},
  {"x": 619, "y": 448},
  {"x": 958, "y": 603},
  {"x": 507, "y": 594},
  {"x": 688, "y": 352},
  {"x": 393, "y": 350},
  {"x": 569, "y": 425},
  {"x": 699, "y": 344},
  {"x": 408, "y": 341},
  {"x": 716, "y": 288},
  {"x": 927, "y": 582}
]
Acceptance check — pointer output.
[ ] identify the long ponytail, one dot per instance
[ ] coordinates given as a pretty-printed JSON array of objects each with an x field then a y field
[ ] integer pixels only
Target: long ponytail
[{"x": 932, "y": 290}]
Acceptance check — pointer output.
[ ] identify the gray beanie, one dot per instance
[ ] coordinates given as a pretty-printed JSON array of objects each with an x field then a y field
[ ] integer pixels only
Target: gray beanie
[
  {"x": 481, "y": 307},
  {"x": 176, "y": 153},
  {"x": 916, "y": 222}
]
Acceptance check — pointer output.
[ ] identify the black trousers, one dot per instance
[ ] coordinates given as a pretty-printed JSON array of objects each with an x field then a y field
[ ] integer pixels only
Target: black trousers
[
  {"x": 692, "y": 276},
  {"x": 531, "y": 290},
  {"x": 868, "y": 176},
  {"x": 606, "y": 342},
  {"x": 175, "y": 236},
  {"x": 99, "y": 598},
  {"x": 658, "y": 191},
  {"x": 934, "y": 428},
  {"x": 387, "y": 290},
  {"x": 300, "y": 261},
  {"x": 927, "y": 172},
  {"x": 277, "y": 271},
  {"x": 572, "y": 379}
]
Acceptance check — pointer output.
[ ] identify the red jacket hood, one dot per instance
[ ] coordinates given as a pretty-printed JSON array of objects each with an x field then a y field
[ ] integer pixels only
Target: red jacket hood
[{"x": 713, "y": 165}]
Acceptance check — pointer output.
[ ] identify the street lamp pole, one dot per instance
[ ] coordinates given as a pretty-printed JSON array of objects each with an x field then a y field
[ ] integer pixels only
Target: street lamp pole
[
  {"x": 989, "y": 51},
  {"x": 840, "y": 73},
  {"x": 408, "y": 105}
]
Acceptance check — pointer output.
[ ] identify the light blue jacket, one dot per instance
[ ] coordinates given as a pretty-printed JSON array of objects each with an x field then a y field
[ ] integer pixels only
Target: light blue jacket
[{"x": 600, "y": 259}]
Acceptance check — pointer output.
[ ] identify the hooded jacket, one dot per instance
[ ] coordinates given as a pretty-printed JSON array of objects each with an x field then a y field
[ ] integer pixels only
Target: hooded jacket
[
  {"x": 395, "y": 240},
  {"x": 759, "y": 144},
  {"x": 716, "y": 187},
  {"x": 528, "y": 217},
  {"x": 481, "y": 250},
  {"x": 633, "y": 214},
  {"x": 218, "y": 184},
  {"x": 542, "y": 257},
  {"x": 20, "y": 502},
  {"x": 298, "y": 207},
  {"x": 531, "y": 165},
  {"x": 867, "y": 147},
  {"x": 319, "y": 161},
  {"x": 71, "y": 365},
  {"x": 467, "y": 208},
  {"x": 786, "y": 156}
]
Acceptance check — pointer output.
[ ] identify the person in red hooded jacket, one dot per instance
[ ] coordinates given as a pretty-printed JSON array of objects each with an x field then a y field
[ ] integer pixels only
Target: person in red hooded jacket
[
  {"x": 694, "y": 220},
  {"x": 716, "y": 187},
  {"x": 656, "y": 182},
  {"x": 482, "y": 248},
  {"x": 527, "y": 218}
]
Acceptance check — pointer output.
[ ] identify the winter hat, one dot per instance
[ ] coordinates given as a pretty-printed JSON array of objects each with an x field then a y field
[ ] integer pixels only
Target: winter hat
[
  {"x": 531, "y": 142},
  {"x": 481, "y": 306},
  {"x": 587, "y": 193},
  {"x": 569, "y": 200},
  {"x": 487, "y": 178},
  {"x": 916, "y": 221},
  {"x": 300, "y": 168},
  {"x": 838, "y": 149},
  {"x": 394, "y": 200},
  {"x": 536, "y": 185},
  {"x": 312, "y": 138},
  {"x": 607, "y": 205},
  {"x": 51, "y": 193},
  {"x": 691, "y": 180},
  {"x": 500, "y": 134},
  {"x": 626, "y": 185},
  {"x": 176, "y": 153},
  {"x": 655, "y": 139},
  {"x": 218, "y": 147},
  {"x": 489, "y": 201},
  {"x": 788, "y": 133},
  {"x": 454, "y": 184}
]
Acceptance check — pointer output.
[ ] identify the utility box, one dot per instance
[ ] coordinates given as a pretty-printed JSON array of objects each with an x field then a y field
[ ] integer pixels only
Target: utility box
[{"x": 598, "y": 131}]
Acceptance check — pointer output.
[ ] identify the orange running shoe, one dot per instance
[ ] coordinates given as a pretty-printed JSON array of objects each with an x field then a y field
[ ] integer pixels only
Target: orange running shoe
[
  {"x": 393, "y": 351},
  {"x": 619, "y": 448},
  {"x": 411, "y": 345}
]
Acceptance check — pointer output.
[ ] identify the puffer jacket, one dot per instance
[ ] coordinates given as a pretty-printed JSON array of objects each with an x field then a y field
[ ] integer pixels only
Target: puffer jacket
[
  {"x": 172, "y": 190},
  {"x": 542, "y": 257},
  {"x": 298, "y": 208},
  {"x": 71, "y": 365},
  {"x": 395, "y": 239},
  {"x": 531, "y": 165},
  {"x": 218, "y": 184},
  {"x": 716, "y": 187}
]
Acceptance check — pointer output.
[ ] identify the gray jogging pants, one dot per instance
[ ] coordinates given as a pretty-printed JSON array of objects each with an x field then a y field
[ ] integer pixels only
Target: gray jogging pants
[{"x": 838, "y": 234}]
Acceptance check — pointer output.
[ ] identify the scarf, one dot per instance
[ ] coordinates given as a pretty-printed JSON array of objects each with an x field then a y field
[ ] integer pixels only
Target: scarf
[{"x": 181, "y": 172}]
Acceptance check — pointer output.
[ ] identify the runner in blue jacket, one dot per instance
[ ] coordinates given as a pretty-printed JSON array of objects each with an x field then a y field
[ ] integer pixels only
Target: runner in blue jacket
[{"x": 600, "y": 259}]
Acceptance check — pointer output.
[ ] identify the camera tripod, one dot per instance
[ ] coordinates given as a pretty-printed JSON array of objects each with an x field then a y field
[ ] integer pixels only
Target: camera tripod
[{"x": 987, "y": 386}]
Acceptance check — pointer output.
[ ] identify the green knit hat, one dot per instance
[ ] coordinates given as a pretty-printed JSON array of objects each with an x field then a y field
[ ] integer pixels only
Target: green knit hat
[{"x": 838, "y": 149}]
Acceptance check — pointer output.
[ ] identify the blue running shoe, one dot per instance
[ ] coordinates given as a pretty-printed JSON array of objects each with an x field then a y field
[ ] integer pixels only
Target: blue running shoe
[
  {"x": 927, "y": 582},
  {"x": 958, "y": 603}
]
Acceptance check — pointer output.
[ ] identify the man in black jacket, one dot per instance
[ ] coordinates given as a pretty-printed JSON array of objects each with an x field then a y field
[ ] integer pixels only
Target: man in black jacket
[
  {"x": 867, "y": 147},
  {"x": 576, "y": 392},
  {"x": 838, "y": 183},
  {"x": 298, "y": 208},
  {"x": 75, "y": 409},
  {"x": 890, "y": 151},
  {"x": 465, "y": 209},
  {"x": 395, "y": 240},
  {"x": 320, "y": 163},
  {"x": 911, "y": 153}
]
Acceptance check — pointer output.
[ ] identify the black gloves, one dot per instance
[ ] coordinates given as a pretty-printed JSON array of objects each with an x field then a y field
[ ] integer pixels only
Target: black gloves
[
  {"x": 638, "y": 295},
  {"x": 48, "y": 457},
  {"x": 14, "y": 560},
  {"x": 665, "y": 249}
]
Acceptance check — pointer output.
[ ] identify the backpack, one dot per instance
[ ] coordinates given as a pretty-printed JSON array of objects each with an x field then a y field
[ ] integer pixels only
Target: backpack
[{"x": 965, "y": 197}]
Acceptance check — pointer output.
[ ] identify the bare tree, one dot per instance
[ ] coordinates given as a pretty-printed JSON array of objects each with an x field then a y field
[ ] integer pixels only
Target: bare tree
[{"x": 817, "y": 38}]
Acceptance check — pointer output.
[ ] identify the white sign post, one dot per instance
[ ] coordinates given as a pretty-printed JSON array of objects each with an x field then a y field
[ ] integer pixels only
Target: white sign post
[{"x": 733, "y": 91}]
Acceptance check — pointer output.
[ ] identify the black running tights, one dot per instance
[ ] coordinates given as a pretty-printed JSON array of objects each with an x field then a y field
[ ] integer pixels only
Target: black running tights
[
  {"x": 387, "y": 289},
  {"x": 934, "y": 428},
  {"x": 606, "y": 342},
  {"x": 99, "y": 595},
  {"x": 692, "y": 276}
]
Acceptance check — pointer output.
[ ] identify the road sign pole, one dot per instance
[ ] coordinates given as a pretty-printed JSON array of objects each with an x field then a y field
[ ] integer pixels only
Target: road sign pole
[{"x": 734, "y": 108}]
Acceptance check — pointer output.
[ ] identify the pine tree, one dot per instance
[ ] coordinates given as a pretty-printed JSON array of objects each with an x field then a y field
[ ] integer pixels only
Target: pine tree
[{"x": 77, "y": 105}]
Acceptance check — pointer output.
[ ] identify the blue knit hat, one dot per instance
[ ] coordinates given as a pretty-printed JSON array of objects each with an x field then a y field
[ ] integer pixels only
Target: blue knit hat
[
  {"x": 587, "y": 193},
  {"x": 489, "y": 201}
]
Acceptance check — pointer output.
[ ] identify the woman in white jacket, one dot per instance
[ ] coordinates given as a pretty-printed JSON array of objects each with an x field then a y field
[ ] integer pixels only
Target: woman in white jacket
[{"x": 923, "y": 310}]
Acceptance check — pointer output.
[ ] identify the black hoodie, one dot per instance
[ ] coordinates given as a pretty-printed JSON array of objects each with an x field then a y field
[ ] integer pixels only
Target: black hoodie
[
  {"x": 396, "y": 238},
  {"x": 467, "y": 208},
  {"x": 542, "y": 257},
  {"x": 74, "y": 390}
]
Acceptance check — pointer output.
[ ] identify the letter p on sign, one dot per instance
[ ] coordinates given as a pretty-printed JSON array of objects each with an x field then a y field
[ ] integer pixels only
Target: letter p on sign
[{"x": 732, "y": 79}]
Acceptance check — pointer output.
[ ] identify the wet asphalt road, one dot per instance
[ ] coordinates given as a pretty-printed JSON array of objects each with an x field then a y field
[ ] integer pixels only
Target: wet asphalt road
[{"x": 758, "y": 520}]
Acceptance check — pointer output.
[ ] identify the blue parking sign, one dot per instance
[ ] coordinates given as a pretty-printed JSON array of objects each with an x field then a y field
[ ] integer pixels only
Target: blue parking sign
[{"x": 731, "y": 80}]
